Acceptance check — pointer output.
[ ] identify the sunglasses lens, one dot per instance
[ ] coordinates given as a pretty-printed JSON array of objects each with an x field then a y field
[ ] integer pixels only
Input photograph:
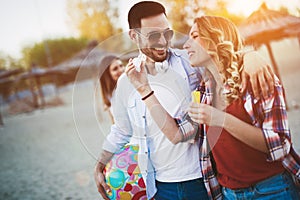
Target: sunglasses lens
[
  {"x": 154, "y": 37},
  {"x": 168, "y": 34}
]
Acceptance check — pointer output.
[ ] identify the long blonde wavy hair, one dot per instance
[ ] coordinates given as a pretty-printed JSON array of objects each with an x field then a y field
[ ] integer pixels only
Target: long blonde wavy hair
[{"x": 223, "y": 42}]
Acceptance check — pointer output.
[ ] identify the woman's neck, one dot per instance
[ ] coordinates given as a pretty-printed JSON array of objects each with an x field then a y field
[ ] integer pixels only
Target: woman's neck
[{"x": 213, "y": 69}]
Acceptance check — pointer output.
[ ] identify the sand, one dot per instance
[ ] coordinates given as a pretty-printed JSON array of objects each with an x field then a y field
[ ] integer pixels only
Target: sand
[
  {"x": 50, "y": 153},
  {"x": 43, "y": 156}
]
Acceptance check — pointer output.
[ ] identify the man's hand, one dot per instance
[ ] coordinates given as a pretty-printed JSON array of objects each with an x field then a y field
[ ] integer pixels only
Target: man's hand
[
  {"x": 100, "y": 180},
  {"x": 138, "y": 79},
  {"x": 260, "y": 73},
  {"x": 103, "y": 188}
]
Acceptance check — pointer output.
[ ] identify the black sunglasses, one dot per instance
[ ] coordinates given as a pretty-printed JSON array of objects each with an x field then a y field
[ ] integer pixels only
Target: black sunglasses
[{"x": 155, "y": 36}]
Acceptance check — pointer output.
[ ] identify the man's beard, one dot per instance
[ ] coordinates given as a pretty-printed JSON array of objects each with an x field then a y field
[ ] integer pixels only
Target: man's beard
[{"x": 149, "y": 52}]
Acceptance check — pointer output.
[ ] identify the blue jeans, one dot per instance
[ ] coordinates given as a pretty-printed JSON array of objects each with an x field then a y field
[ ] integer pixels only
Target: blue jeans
[
  {"x": 280, "y": 186},
  {"x": 186, "y": 190}
]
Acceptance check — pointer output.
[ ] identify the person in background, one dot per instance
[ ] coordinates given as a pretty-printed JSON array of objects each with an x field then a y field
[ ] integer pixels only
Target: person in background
[
  {"x": 249, "y": 139},
  {"x": 114, "y": 68}
]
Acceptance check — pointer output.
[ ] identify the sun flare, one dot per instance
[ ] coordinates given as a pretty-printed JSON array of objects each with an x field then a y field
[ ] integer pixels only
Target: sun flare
[{"x": 244, "y": 7}]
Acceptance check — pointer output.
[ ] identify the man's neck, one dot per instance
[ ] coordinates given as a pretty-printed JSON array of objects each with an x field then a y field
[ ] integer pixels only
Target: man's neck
[{"x": 150, "y": 67}]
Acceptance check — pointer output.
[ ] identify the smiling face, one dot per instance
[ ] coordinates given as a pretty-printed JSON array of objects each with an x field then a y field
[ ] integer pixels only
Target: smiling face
[
  {"x": 155, "y": 49},
  {"x": 116, "y": 69},
  {"x": 214, "y": 43},
  {"x": 196, "y": 47}
]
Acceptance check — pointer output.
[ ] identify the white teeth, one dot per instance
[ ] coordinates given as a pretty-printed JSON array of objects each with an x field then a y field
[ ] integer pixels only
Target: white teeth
[{"x": 159, "y": 49}]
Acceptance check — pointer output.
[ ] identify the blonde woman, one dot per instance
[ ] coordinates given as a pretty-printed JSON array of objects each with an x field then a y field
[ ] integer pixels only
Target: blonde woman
[{"x": 249, "y": 139}]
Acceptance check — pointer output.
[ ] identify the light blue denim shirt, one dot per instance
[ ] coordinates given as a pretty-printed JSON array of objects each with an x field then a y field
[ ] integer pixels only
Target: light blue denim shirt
[{"x": 129, "y": 113}]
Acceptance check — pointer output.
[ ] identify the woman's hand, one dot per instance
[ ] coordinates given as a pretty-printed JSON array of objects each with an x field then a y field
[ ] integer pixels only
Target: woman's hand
[
  {"x": 138, "y": 79},
  {"x": 206, "y": 114}
]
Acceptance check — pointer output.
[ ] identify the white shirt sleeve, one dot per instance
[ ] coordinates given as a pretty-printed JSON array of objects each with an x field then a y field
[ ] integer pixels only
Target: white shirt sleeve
[{"x": 121, "y": 131}]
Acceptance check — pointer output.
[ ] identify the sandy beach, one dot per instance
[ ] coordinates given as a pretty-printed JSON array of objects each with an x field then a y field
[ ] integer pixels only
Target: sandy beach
[
  {"x": 50, "y": 153},
  {"x": 44, "y": 156}
]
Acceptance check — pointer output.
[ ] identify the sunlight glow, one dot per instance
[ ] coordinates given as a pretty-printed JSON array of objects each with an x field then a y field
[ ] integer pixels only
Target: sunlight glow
[
  {"x": 246, "y": 7},
  {"x": 243, "y": 7}
]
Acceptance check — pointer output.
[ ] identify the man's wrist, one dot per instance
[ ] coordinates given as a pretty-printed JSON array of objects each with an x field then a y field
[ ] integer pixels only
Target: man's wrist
[
  {"x": 100, "y": 165},
  {"x": 104, "y": 158},
  {"x": 144, "y": 90},
  {"x": 148, "y": 95}
]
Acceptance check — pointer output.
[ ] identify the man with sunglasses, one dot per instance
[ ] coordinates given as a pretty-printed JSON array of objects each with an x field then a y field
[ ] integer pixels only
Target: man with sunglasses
[
  {"x": 154, "y": 37},
  {"x": 170, "y": 169}
]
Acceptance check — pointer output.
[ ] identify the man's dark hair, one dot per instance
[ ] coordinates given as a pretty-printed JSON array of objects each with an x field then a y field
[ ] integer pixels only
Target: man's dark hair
[{"x": 142, "y": 10}]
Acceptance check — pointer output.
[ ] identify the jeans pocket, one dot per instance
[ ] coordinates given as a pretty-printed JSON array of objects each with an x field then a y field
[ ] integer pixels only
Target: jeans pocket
[{"x": 273, "y": 185}]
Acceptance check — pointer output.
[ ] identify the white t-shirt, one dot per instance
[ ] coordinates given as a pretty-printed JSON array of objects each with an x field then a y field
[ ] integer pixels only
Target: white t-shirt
[{"x": 172, "y": 163}]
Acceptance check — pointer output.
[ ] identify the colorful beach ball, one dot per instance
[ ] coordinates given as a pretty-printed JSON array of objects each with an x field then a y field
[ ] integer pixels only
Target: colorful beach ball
[{"x": 124, "y": 177}]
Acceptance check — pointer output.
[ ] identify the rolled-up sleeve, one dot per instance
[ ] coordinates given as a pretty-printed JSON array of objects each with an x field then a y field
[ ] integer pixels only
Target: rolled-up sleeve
[
  {"x": 116, "y": 139},
  {"x": 275, "y": 125},
  {"x": 187, "y": 127}
]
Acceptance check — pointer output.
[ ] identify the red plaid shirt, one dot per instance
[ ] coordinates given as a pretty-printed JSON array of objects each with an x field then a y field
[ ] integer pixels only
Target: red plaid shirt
[{"x": 271, "y": 116}]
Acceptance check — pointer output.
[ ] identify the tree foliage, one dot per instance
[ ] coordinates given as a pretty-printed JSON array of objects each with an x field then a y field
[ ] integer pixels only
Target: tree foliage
[
  {"x": 51, "y": 52},
  {"x": 178, "y": 15},
  {"x": 93, "y": 19},
  {"x": 8, "y": 62},
  {"x": 181, "y": 13}
]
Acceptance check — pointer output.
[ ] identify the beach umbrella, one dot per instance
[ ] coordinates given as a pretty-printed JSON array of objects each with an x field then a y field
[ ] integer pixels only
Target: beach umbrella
[
  {"x": 88, "y": 57},
  {"x": 264, "y": 26},
  {"x": 34, "y": 75},
  {"x": 8, "y": 73},
  {"x": 7, "y": 80}
]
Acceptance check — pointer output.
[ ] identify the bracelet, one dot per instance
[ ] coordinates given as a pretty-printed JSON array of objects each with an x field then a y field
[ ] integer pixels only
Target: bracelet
[{"x": 148, "y": 95}]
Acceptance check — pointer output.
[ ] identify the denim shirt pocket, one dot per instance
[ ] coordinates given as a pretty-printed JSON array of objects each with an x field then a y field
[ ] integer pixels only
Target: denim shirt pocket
[{"x": 136, "y": 110}]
